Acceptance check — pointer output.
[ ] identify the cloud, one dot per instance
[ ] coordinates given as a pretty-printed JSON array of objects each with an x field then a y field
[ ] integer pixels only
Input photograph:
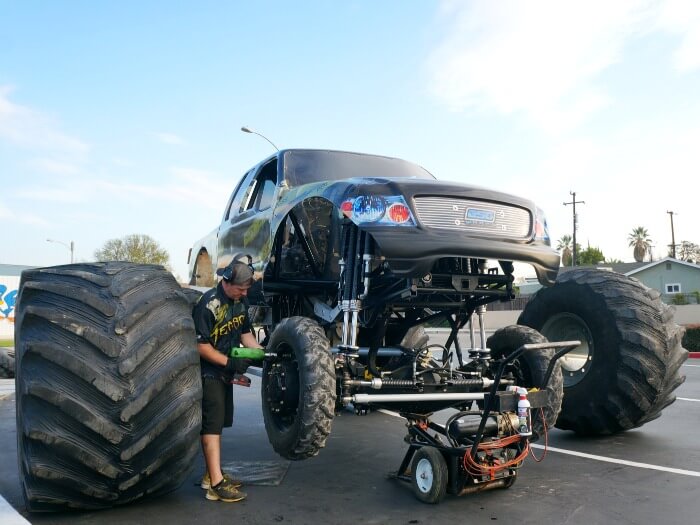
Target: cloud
[
  {"x": 27, "y": 128},
  {"x": 169, "y": 138},
  {"x": 682, "y": 17},
  {"x": 544, "y": 59},
  {"x": 54, "y": 166},
  {"x": 195, "y": 187},
  {"x": 26, "y": 218},
  {"x": 45, "y": 194}
]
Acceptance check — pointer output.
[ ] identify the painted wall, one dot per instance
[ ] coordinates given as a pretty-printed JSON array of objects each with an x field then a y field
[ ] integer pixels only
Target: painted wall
[
  {"x": 8, "y": 297},
  {"x": 662, "y": 274}
]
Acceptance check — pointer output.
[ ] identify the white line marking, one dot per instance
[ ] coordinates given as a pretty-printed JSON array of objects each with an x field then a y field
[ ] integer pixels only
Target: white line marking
[
  {"x": 9, "y": 516},
  {"x": 600, "y": 458},
  {"x": 688, "y": 399},
  {"x": 389, "y": 412},
  {"x": 621, "y": 461}
]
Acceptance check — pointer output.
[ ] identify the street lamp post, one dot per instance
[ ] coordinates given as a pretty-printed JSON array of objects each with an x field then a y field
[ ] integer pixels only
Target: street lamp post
[
  {"x": 71, "y": 247},
  {"x": 246, "y": 129}
]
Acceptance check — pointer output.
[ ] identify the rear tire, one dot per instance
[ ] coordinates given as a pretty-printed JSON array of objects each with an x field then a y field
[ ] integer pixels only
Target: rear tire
[
  {"x": 624, "y": 373},
  {"x": 529, "y": 370},
  {"x": 298, "y": 389},
  {"x": 7, "y": 363},
  {"x": 203, "y": 271},
  {"x": 108, "y": 385}
]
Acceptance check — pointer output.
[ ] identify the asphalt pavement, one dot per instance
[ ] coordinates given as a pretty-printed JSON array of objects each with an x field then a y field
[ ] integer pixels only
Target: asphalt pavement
[{"x": 649, "y": 475}]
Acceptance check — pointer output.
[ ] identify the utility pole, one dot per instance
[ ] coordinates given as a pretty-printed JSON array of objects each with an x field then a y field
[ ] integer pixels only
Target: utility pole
[
  {"x": 673, "y": 237},
  {"x": 574, "y": 202}
]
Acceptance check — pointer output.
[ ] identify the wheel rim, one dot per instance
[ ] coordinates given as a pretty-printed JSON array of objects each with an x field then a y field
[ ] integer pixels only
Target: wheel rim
[
  {"x": 282, "y": 391},
  {"x": 566, "y": 327},
  {"x": 424, "y": 476}
]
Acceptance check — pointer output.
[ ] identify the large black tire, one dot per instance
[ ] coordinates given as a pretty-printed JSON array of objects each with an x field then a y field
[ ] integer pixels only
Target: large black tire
[
  {"x": 7, "y": 363},
  {"x": 298, "y": 389},
  {"x": 625, "y": 372},
  {"x": 529, "y": 370},
  {"x": 108, "y": 385},
  {"x": 192, "y": 296},
  {"x": 415, "y": 337}
]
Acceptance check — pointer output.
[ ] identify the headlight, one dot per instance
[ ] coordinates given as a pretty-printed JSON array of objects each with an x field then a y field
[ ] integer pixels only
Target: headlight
[
  {"x": 388, "y": 211},
  {"x": 368, "y": 208}
]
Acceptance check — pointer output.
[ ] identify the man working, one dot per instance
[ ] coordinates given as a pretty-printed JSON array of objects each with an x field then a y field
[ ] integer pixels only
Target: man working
[{"x": 221, "y": 322}]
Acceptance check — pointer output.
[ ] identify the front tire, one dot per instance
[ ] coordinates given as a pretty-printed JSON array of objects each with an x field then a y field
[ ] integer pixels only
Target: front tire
[
  {"x": 529, "y": 370},
  {"x": 429, "y": 475},
  {"x": 108, "y": 385},
  {"x": 624, "y": 373},
  {"x": 298, "y": 389}
]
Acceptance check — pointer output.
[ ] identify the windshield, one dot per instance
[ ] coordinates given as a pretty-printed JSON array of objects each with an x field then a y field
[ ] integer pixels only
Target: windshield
[{"x": 305, "y": 166}]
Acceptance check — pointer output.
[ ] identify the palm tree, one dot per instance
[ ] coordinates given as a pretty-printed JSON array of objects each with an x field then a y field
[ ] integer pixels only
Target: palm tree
[
  {"x": 564, "y": 244},
  {"x": 640, "y": 240}
]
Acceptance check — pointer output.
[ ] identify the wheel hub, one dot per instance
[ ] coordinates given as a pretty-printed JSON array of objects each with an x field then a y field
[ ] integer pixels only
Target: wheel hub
[
  {"x": 566, "y": 327},
  {"x": 283, "y": 387},
  {"x": 424, "y": 476}
]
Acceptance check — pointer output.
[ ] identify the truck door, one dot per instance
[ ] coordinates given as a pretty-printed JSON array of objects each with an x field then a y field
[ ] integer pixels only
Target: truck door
[{"x": 246, "y": 227}]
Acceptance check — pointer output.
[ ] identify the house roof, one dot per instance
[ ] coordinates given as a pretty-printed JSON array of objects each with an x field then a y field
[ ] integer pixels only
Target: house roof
[
  {"x": 630, "y": 268},
  {"x": 13, "y": 270},
  {"x": 663, "y": 261}
]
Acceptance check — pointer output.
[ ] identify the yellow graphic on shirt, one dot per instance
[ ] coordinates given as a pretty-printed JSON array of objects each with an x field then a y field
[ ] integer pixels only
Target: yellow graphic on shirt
[{"x": 223, "y": 326}]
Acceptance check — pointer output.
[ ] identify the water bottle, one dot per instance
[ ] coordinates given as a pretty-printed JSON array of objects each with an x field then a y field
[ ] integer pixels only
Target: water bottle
[{"x": 523, "y": 413}]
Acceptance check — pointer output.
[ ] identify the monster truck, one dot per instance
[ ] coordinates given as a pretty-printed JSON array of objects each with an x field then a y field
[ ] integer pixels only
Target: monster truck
[
  {"x": 358, "y": 253},
  {"x": 355, "y": 255}
]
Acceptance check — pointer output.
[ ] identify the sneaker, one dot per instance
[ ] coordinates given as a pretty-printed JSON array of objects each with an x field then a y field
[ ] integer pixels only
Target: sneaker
[
  {"x": 225, "y": 491},
  {"x": 206, "y": 481}
]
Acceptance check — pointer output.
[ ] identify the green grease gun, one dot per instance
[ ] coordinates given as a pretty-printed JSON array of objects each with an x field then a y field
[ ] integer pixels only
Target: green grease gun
[{"x": 254, "y": 354}]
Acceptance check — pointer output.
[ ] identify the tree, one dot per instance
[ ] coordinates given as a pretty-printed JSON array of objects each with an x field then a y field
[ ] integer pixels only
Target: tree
[
  {"x": 136, "y": 248},
  {"x": 612, "y": 260},
  {"x": 689, "y": 252},
  {"x": 640, "y": 240},
  {"x": 590, "y": 256},
  {"x": 564, "y": 244}
]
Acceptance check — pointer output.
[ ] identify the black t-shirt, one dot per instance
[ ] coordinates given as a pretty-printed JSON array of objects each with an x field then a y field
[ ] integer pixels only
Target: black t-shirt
[{"x": 219, "y": 321}]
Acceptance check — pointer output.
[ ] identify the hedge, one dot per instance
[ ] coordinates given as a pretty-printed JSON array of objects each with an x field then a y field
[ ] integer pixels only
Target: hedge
[{"x": 691, "y": 339}]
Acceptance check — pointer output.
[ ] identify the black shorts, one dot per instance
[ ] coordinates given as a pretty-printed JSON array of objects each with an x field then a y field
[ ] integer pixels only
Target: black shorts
[{"x": 217, "y": 405}]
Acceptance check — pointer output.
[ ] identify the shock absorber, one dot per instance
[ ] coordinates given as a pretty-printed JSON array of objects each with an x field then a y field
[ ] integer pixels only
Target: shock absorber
[
  {"x": 348, "y": 288},
  {"x": 356, "y": 269},
  {"x": 481, "y": 352}
]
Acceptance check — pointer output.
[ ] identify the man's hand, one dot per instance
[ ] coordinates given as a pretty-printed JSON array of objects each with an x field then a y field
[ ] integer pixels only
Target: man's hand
[{"x": 237, "y": 364}]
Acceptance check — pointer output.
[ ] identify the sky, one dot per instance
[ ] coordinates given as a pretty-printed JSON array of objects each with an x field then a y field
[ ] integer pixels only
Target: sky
[{"x": 124, "y": 117}]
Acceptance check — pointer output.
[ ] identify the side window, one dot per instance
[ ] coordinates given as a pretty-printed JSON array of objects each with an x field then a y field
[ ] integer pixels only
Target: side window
[
  {"x": 238, "y": 194},
  {"x": 261, "y": 191},
  {"x": 267, "y": 193},
  {"x": 248, "y": 200}
]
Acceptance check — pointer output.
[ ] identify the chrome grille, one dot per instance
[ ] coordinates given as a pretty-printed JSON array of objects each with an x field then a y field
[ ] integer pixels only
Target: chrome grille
[{"x": 486, "y": 218}]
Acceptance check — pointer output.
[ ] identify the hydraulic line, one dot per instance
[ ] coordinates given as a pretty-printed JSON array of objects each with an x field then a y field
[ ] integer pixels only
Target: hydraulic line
[{"x": 349, "y": 238}]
